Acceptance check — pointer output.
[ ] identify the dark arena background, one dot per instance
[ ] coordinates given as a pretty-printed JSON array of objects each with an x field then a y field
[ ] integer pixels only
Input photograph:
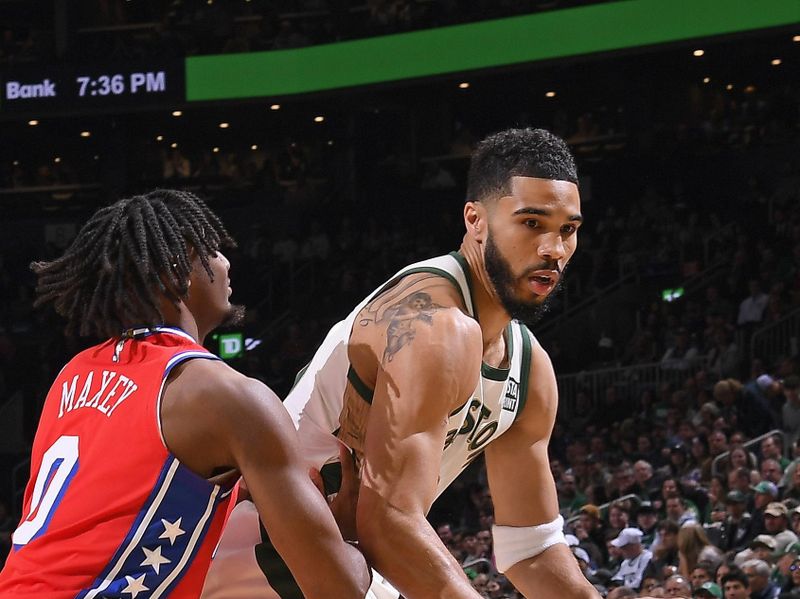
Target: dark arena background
[{"x": 333, "y": 138}]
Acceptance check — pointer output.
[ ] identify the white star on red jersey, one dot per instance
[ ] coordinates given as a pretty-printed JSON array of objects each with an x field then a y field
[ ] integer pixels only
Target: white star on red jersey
[
  {"x": 153, "y": 557},
  {"x": 172, "y": 530}
]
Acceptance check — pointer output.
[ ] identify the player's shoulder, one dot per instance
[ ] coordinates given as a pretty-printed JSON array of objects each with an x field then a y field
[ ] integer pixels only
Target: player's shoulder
[
  {"x": 215, "y": 383},
  {"x": 417, "y": 306},
  {"x": 210, "y": 400},
  {"x": 454, "y": 321},
  {"x": 416, "y": 291},
  {"x": 539, "y": 358},
  {"x": 541, "y": 401},
  {"x": 526, "y": 331}
]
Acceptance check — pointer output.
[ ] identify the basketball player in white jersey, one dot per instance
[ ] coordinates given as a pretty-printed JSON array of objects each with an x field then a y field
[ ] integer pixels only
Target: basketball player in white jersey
[{"x": 434, "y": 368}]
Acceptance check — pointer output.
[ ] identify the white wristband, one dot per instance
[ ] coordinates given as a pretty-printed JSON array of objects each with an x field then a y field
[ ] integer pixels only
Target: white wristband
[{"x": 513, "y": 544}]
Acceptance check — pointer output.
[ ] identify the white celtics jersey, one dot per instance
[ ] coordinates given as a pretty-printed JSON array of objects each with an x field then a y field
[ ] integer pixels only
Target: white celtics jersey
[{"x": 328, "y": 393}]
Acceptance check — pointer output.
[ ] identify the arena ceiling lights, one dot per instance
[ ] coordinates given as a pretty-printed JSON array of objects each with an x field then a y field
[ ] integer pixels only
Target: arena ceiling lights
[{"x": 518, "y": 40}]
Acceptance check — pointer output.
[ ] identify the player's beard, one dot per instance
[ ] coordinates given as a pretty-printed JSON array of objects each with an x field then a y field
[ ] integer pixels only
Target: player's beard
[
  {"x": 505, "y": 282},
  {"x": 235, "y": 316}
]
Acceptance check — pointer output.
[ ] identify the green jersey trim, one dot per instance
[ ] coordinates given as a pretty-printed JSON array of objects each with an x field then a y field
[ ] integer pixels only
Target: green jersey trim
[
  {"x": 525, "y": 367},
  {"x": 462, "y": 262},
  {"x": 300, "y": 375},
  {"x": 360, "y": 386},
  {"x": 500, "y": 374},
  {"x": 489, "y": 372},
  {"x": 492, "y": 373}
]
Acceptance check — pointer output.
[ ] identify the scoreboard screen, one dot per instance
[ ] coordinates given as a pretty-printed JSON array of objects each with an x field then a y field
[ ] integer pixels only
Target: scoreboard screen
[{"x": 40, "y": 89}]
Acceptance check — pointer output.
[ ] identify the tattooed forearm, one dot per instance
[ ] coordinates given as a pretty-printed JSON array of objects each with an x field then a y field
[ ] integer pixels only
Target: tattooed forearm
[{"x": 403, "y": 317}]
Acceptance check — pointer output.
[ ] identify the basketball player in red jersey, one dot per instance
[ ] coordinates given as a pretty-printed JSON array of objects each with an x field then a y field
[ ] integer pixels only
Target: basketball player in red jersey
[{"x": 125, "y": 498}]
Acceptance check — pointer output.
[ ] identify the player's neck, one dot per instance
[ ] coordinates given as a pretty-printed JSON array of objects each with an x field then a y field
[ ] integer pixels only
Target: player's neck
[
  {"x": 180, "y": 317},
  {"x": 491, "y": 315},
  {"x": 187, "y": 326}
]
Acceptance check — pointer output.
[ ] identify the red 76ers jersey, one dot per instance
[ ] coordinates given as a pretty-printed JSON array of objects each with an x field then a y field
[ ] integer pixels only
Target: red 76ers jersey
[{"x": 108, "y": 510}]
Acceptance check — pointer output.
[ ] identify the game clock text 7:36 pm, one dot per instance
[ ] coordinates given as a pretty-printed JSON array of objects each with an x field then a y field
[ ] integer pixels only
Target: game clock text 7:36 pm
[
  {"x": 134, "y": 83},
  {"x": 59, "y": 88}
]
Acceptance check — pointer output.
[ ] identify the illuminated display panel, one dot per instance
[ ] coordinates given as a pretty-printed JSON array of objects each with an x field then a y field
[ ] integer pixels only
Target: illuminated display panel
[{"x": 542, "y": 36}]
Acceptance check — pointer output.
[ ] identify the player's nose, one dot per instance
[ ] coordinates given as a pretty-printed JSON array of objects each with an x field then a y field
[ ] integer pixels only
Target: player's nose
[
  {"x": 551, "y": 247},
  {"x": 225, "y": 262}
]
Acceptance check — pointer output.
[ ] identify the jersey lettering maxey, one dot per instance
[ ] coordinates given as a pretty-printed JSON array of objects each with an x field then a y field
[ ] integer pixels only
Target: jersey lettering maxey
[
  {"x": 322, "y": 401},
  {"x": 108, "y": 510}
]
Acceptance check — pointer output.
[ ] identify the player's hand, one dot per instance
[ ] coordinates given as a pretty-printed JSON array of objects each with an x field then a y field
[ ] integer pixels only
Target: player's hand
[{"x": 342, "y": 504}]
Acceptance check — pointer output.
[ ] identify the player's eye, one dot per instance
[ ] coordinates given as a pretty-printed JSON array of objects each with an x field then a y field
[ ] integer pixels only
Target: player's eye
[{"x": 568, "y": 229}]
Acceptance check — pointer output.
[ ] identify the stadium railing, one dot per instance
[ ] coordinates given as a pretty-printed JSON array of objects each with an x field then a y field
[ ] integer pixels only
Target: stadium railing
[
  {"x": 779, "y": 338},
  {"x": 748, "y": 445},
  {"x": 564, "y": 310},
  {"x": 630, "y": 379}
]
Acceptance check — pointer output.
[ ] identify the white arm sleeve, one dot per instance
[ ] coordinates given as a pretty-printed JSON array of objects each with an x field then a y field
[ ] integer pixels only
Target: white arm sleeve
[{"x": 513, "y": 544}]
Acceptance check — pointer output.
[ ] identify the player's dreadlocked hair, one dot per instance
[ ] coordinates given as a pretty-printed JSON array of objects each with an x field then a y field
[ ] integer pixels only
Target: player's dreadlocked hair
[{"x": 125, "y": 257}]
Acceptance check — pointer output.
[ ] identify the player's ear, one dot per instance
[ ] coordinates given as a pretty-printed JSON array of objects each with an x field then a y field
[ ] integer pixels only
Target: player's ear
[{"x": 475, "y": 220}]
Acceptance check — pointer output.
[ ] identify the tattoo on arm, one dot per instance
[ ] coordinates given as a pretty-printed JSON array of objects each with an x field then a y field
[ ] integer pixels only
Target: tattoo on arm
[
  {"x": 377, "y": 310},
  {"x": 402, "y": 317}
]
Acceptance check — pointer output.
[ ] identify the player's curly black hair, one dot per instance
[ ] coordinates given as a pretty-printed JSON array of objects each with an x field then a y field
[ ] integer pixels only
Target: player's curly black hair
[
  {"x": 517, "y": 152},
  {"x": 125, "y": 257}
]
